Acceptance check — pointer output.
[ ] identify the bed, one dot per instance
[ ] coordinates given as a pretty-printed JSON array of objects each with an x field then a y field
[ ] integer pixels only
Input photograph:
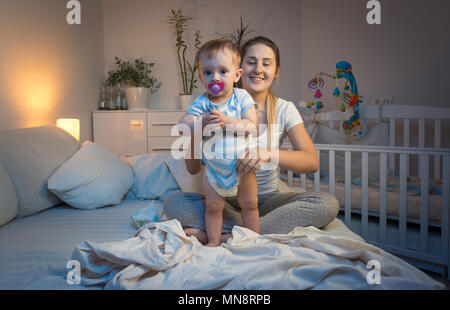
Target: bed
[
  {"x": 378, "y": 179},
  {"x": 69, "y": 208}
]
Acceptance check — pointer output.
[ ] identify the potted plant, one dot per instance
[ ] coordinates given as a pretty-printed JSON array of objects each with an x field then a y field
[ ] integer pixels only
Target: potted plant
[
  {"x": 179, "y": 21},
  {"x": 138, "y": 81}
]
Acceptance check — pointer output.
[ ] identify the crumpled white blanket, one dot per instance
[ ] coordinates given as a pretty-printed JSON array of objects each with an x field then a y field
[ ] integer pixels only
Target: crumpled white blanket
[{"x": 161, "y": 256}]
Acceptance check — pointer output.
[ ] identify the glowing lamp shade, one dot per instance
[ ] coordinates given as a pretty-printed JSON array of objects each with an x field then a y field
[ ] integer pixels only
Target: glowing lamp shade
[{"x": 71, "y": 125}]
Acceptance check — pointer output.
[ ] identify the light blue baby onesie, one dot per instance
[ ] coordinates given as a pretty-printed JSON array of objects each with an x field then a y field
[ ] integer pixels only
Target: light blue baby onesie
[{"x": 220, "y": 160}]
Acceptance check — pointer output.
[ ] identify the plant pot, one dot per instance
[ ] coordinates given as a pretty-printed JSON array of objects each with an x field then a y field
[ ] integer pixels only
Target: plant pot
[
  {"x": 138, "y": 98},
  {"x": 185, "y": 101}
]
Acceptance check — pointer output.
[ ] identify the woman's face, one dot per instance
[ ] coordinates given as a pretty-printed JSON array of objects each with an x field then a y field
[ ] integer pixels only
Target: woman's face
[{"x": 259, "y": 68}]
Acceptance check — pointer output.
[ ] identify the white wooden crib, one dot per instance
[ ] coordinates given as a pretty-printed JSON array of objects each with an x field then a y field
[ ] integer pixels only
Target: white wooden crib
[{"x": 412, "y": 234}]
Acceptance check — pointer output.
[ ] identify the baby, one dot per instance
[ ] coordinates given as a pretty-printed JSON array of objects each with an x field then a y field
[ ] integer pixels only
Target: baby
[{"x": 218, "y": 62}]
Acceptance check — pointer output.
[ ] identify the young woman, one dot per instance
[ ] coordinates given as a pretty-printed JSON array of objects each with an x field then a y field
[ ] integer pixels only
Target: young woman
[{"x": 279, "y": 212}]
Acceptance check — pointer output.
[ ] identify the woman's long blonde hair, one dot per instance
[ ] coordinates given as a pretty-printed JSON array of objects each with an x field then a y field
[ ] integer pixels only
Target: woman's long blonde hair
[{"x": 271, "y": 100}]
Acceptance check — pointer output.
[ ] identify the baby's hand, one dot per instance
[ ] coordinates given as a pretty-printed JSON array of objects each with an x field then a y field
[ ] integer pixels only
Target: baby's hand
[
  {"x": 209, "y": 119},
  {"x": 222, "y": 119}
]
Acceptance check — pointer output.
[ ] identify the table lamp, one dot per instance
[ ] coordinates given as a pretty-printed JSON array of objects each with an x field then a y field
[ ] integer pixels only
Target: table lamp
[{"x": 71, "y": 125}]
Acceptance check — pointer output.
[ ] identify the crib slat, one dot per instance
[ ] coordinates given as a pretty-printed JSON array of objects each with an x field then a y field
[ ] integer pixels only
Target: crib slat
[
  {"x": 290, "y": 177},
  {"x": 332, "y": 172},
  {"x": 424, "y": 176},
  {"x": 317, "y": 176},
  {"x": 445, "y": 207},
  {"x": 348, "y": 189},
  {"x": 383, "y": 196},
  {"x": 392, "y": 143},
  {"x": 437, "y": 144},
  {"x": 365, "y": 193},
  {"x": 421, "y": 138},
  {"x": 406, "y": 132},
  {"x": 421, "y": 132},
  {"x": 403, "y": 199},
  {"x": 303, "y": 181},
  {"x": 406, "y": 138}
]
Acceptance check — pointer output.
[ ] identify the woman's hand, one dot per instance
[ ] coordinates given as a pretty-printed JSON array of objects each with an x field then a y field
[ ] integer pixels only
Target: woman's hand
[{"x": 252, "y": 160}]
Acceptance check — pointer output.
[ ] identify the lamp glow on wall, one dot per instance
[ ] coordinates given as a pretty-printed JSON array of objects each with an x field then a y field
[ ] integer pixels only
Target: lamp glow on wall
[{"x": 71, "y": 125}]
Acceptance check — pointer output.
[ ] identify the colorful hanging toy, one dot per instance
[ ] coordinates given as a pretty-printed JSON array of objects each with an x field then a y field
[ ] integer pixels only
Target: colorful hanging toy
[
  {"x": 349, "y": 96},
  {"x": 315, "y": 106}
]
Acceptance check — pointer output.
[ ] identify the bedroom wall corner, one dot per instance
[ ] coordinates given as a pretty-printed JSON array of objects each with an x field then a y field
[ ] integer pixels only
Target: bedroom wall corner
[{"x": 49, "y": 69}]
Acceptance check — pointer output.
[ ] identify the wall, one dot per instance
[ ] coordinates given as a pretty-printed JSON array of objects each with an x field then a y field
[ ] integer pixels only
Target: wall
[
  {"x": 138, "y": 28},
  {"x": 405, "y": 57},
  {"x": 49, "y": 69}
]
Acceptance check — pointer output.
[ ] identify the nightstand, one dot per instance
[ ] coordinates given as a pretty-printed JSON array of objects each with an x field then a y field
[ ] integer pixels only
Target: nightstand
[{"x": 135, "y": 132}]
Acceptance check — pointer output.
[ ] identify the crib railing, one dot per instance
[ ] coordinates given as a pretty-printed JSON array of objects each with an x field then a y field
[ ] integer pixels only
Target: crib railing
[
  {"x": 402, "y": 119},
  {"x": 404, "y": 153}
]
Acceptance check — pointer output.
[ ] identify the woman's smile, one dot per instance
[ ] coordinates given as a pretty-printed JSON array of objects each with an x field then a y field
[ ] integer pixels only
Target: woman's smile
[{"x": 256, "y": 79}]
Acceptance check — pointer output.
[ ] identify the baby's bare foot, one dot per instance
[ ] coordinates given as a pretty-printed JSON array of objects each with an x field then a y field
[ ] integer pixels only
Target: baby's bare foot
[{"x": 198, "y": 233}]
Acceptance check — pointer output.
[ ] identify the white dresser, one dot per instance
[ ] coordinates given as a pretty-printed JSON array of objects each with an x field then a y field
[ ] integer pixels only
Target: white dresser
[{"x": 135, "y": 132}]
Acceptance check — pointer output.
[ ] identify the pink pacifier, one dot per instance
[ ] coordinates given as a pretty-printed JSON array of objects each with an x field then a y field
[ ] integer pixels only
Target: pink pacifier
[{"x": 216, "y": 88}]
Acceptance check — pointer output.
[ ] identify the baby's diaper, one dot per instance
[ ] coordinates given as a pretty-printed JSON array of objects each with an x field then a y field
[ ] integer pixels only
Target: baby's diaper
[
  {"x": 221, "y": 191},
  {"x": 221, "y": 164}
]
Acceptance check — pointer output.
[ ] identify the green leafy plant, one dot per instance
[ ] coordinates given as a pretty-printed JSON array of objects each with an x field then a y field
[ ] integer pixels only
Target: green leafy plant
[
  {"x": 179, "y": 21},
  {"x": 138, "y": 74},
  {"x": 238, "y": 35}
]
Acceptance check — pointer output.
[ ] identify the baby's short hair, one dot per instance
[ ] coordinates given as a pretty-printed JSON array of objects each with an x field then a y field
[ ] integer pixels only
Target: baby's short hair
[{"x": 212, "y": 47}]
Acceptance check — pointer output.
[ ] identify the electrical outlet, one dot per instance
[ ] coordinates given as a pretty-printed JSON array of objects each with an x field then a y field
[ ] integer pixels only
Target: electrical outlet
[
  {"x": 387, "y": 100},
  {"x": 382, "y": 100}
]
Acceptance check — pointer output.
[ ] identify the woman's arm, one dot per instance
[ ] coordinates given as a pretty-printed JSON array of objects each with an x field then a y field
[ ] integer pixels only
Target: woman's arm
[{"x": 303, "y": 158}]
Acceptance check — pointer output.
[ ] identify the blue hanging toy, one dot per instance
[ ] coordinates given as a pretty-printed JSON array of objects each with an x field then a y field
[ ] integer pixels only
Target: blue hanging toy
[{"x": 336, "y": 92}]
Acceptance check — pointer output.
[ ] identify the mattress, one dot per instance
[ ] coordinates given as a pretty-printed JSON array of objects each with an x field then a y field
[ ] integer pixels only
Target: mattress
[{"x": 34, "y": 250}]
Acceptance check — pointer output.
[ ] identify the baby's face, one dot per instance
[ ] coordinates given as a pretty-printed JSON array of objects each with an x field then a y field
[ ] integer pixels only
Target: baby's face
[{"x": 219, "y": 68}]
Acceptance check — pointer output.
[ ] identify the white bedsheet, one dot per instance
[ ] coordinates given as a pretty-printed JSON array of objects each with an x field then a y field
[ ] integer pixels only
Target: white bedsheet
[
  {"x": 34, "y": 250},
  {"x": 161, "y": 256}
]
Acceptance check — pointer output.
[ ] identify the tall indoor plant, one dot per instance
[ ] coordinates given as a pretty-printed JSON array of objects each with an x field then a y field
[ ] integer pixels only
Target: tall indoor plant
[
  {"x": 138, "y": 80},
  {"x": 187, "y": 69}
]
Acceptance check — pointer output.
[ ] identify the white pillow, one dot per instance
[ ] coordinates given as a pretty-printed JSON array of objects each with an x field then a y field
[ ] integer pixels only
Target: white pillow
[
  {"x": 93, "y": 177},
  {"x": 8, "y": 198},
  {"x": 30, "y": 156}
]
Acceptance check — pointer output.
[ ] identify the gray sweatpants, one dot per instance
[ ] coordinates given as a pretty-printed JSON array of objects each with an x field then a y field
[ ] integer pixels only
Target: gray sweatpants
[{"x": 279, "y": 212}]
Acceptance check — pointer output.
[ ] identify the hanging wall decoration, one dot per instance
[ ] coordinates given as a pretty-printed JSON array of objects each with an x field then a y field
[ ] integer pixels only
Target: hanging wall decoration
[{"x": 348, "y": 97}]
